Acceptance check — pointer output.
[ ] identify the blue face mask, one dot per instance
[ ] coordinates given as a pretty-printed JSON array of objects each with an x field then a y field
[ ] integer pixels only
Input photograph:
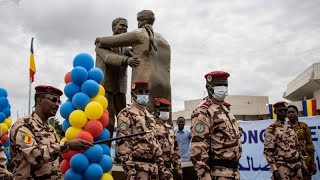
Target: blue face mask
[{"x": 142, "y": 99}]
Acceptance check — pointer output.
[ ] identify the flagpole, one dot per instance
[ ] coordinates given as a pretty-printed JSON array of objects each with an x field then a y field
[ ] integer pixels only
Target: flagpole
[{"x": 29, "y": 96}]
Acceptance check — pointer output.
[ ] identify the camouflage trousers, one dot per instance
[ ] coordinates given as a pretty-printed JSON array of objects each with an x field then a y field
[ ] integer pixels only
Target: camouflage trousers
[
  {"x": 167, "y": 174},
  {"x": 287, "y": 173},
  {"x": 221, "y": 174},
  {"x": 142, "y": 171}
]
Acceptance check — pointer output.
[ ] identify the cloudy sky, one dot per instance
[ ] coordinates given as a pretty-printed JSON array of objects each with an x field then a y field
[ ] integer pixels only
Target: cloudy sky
[{"x": 262, "y": 44}]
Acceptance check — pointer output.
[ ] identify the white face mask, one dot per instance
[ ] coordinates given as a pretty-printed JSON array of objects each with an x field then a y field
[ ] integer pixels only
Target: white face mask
[
  {"x": 220, "y": 92},
  {"x": 142, "y": 99},
  {"x": 164, "y": 115}
]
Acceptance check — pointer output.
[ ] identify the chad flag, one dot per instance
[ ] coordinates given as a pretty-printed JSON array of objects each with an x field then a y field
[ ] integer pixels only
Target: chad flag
[
  {"x": 272, "y": 115},
  {"x": 309, "y": 107},
  {"x": 32, "y": 66}
]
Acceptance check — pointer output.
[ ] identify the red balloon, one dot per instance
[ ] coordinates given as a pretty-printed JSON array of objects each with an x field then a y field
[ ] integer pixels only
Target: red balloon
[
  {"x": 67, "y": 156},
  {"x": 94, "y": 127},
  {"x": 104, "y": 119},
  {"x": 84, "y": 135},
  {"x": 64, "y": 166},
  {"x": 4, "y": 138},
  {"x": 67, "y": 78}
]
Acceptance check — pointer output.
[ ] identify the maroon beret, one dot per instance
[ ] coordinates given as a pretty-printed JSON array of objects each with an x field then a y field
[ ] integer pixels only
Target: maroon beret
[
  {"x": 160, "y": 102},
  {"x": 216, "y": 75},
  {"x": 42, "y": 89},
  {"x": 139, "y": 84},
  {"x": 280, "y": 104}
]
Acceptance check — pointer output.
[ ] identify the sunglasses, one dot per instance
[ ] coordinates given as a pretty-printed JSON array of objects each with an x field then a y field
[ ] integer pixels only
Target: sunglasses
[
  {"x": 282, "y": 110},
  {"x": 54, "y": 99},
  {"x": 141, "y": 91}
]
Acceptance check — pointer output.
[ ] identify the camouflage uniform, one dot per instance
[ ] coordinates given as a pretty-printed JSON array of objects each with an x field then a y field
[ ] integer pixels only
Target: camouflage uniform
[
  {"x": 35, "y": 148},
  {"x": 139, "y": 153},
  {"x": 4, "y": 173},
  {"x": 304, "y": 136},
  {"x": 170, "y": 150},
  {"x": 282, "y": 151},
  {"x": 214, "y": 126}
]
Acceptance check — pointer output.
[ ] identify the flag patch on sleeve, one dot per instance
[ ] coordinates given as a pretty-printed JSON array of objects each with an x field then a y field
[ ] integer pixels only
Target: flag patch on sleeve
[{"x": 26, "y": 138}]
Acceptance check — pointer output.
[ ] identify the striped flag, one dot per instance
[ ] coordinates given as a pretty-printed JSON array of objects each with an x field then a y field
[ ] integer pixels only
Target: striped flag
[
  {"x": 309, "y": 107},
  {"x": 32, "y": 66},
  {"x": 272, "y": 115}
]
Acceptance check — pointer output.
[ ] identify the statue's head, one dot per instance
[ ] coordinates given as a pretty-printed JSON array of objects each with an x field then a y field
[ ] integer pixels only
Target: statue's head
[
  {"x": 119, "y": 25},
  {"x": 145, "y": 17}
]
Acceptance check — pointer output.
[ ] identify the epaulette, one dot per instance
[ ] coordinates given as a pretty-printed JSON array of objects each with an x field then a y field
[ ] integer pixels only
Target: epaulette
[{"x": 205, "y": 104}]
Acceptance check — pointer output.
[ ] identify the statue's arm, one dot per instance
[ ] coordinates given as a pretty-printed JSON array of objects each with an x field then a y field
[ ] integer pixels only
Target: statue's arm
[
  {"x": 120, "y": 40},
  {"x": 111, "y": 58}
]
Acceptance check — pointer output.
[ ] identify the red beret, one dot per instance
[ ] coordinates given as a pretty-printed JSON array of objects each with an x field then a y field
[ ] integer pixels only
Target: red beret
[
  {"x": 280, "y": 104},
  {"x": 48, "y": 90},
  {"x": 161, "y": 102},
  {"x": 141, "y": 84},
  {"x": 226, "y": 104},
  {"x": 216, "y": 75}
]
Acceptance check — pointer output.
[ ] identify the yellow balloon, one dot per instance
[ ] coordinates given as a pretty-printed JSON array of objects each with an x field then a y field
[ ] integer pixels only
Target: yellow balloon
[
  {"x": 106, "y": 176},
  {"x": 64, "y": 139},
  {"x": 4, "y": 128},
  {"x": 78, "y": 118},
  {"x": 109, "y": 172},
  {"x": 93, "y": 110},
  {"x": 72, "y": 132},
  {"x": 101, "y": 90},
  {"x": 8, "y": 122},
  {"x": 102, "y": 100}
]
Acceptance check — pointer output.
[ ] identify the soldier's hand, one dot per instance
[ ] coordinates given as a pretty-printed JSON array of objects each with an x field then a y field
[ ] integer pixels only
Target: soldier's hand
[
  {"x": 276, "y": 175},
  {"x": 313, "y": 169},
  {"x": 78, "y": 144},
  {"x": 133, "y": 62}
]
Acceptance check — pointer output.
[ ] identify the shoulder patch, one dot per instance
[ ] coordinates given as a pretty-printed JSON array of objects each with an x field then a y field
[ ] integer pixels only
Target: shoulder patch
[
  {"x": 199, "y": 127},
  {"x": 123, "y": 126},
  {"x": 268, "y": 138},
  {"x": 205, "y": 104},
  {"x": 26, "y": 138}
]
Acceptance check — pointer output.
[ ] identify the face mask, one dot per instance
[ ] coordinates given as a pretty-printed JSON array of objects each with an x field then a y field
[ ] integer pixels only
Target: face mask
[
  {"x": 142, "y": 99},
  {"x": 164, "y": 115},
  {"x": 220, "y": 92}
]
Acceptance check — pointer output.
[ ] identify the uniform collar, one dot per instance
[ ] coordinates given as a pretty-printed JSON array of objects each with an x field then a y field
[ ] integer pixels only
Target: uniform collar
[
  {"x": 139, "y": 106},
  {"x": 38, "y": 120}
]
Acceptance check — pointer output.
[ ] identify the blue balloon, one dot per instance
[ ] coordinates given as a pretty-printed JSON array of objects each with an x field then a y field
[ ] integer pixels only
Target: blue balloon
[
  {"x": 9, "y": 106},
  {"x": 71, "y": 89},
  {"x": 65, "y": 125},
  {"x": 66, "y": 109},
  {"x": 7, "y": 153},
  {"x": 104, "y": 135},
  {"x": 72, "y": 175},
  {"x": 3, "y": 93},
  {"x": 7, "y": 112},
  {"x": 69, "y": 100},
  {"x": 79, "y": 75},
  {"x": 2, "y": 117},
  {"x": 4, "y": 103},
  {"x": 94, "y": 172},
  {"x": 79, "y": 163},
  {"x": 90, "y": 87},
  {"x": 96, "y": 74},
  {"x": 84, "y": 60},
  {"x": 106, "y": 149},
  {"x": 106, "y": 163},
  {"x": 80, "y": 100},
  {"x": 7, "y": 144},
  {"x": 94, "y": 153}
]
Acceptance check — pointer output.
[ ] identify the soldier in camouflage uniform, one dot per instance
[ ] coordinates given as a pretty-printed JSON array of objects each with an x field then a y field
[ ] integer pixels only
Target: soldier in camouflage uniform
[
  {"x": 304, "y": 136},
  {"x": 166, "y": 138},
  {"x": 282, "y": 149},
  {"x": 34, "y": 143},
  {"x": 4, "y": 173},
  {"x": 216, "y": 135},
  {"x": 141, "y": 155}
]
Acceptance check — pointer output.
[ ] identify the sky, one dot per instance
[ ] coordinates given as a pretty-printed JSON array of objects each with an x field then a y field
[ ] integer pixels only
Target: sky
[{"x": 263, "y": 44}]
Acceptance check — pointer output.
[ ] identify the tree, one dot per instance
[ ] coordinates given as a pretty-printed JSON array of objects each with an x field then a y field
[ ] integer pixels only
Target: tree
[{"x": 54, "y": 122}]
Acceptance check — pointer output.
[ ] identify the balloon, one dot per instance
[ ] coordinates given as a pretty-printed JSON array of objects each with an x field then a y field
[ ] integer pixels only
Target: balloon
[
  {"x": 80, "y": 100},
  {"x": 110, "y": 172},
  {"x": 4, "y": 128},
  {"x": 104, "y": 135},
  {"x": 84, "y": 60},
  {"x": 93, "y": 110},
  {"x": 67, "y": 77},
  {"x": 106, "y": 176},
  {"x": 106, "y": 163},
  {"x": 104, "y": 119},
  {"x": 79, "y": 163},
  {"x": 4, "y": 138},
  {"x": 102, "y": 91},
  {"x": 84, "y": 135},
  {"x": 65, "y": 125},
  {"x": 64, "y": 166},
  {"x": 67, "y": 156},
  {"x": 3, "y": 102},
  {"x": 2, "y": 117},
  {"x": 94, "y": 128},
  {"x": 7, "y": 112},
  {"x": 64, "y": 139},
  {"x": 72, "y": 132},
  {"x": 78, "y": 119},
  {"x": 106, "y": 149},
  {"x": 94, "y": 153},
  {"x": 102, "y": 100},
  {"x": 96, "y": 74},
  {"x": 3, "y": 93},
  {"x": 90, "y": 87},
  {"x": 66, "y": 109},
  {"x": 79, "y": 75},
  {"x": 94, "y": 172},
  {"x": 7, "y": 144},
  {"x": 71, "y": 89},
  {"x": 7, "y": 153},
  {"x": 72, "y": 175},
  {"x": 8, "y": 122}
]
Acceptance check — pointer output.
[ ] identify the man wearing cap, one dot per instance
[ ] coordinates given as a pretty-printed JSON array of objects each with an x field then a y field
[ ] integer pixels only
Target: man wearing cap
[
  {"x": 281, "y": 147},
  {"x": 216, "y": 135},
  {"x": 34, "y": 143},
  {"x": 166, "y": 138},
  {"x": 141, "y": 156},
  {"x": 113, "y": 62}
]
